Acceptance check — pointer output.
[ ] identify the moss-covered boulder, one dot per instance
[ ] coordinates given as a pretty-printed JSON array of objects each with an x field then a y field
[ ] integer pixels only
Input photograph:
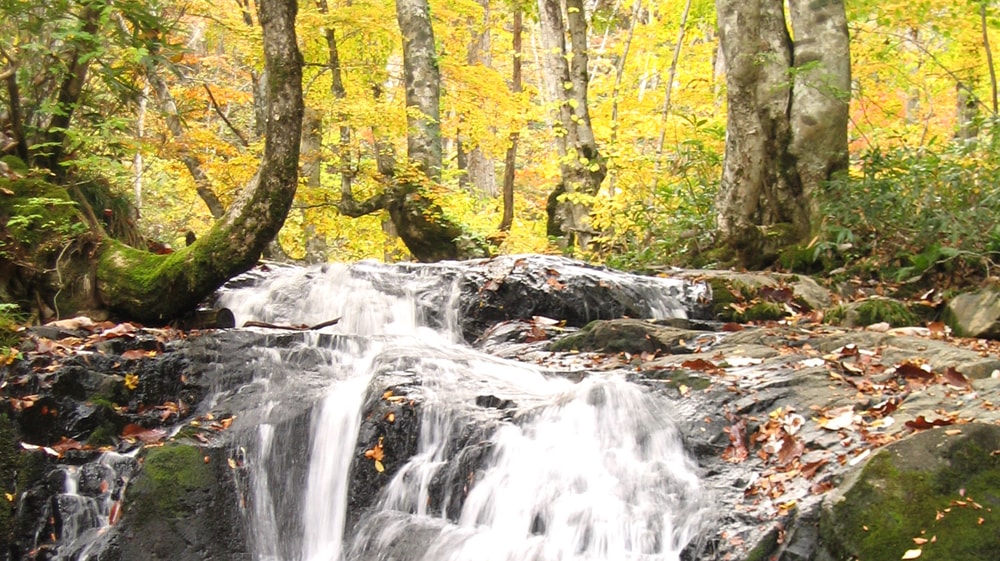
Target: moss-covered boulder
[
  {"x": 937, "y": 491},
  {"x": 183, "y": 506},
  {"x": 630, "y": 336},
  {"x": 752, "y": 296},
  {"x": 870, "y": 311}
]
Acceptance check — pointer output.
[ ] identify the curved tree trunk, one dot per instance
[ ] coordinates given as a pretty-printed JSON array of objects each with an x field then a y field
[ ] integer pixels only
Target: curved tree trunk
[
  {"x": 158, "y": 288},
  {"x": 787, "y": 119}
]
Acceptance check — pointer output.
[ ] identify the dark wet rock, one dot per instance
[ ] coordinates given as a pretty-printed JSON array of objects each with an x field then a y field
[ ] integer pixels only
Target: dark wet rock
[
  {"x": 520, "y": 287},
  {"x": 975, "y": 314},
  {"x": 937, "y": 486},
  {"x": 713, "y": 381}
]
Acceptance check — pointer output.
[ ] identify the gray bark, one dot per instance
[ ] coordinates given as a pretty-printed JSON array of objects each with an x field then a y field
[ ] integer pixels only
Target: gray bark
[
  {"x": 423, "y": 87},
  {"x": 787, "y": 119},
  {"x": 582, "y": 166}
]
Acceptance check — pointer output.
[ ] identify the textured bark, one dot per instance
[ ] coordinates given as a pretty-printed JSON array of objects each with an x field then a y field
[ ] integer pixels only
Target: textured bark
[
  {"x": 581, "y": 164},
  {"x": 423, "y": 87},
  {"x": 480, "y": 169},
  {"x": 787, "y": 119},
  {"x": 419, "y": 221},
  {"x": 157, "y": 288}
]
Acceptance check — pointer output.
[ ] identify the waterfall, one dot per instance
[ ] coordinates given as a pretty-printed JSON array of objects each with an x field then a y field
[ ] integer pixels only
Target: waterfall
[{"x": 512, "y": 462}]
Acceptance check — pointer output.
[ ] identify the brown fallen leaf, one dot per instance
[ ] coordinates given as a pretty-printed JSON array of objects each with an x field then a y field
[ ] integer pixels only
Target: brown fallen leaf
[{"x": 956, "y": 379}]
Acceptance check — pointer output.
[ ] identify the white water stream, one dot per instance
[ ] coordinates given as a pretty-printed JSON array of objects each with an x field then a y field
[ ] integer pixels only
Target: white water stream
[{"x": 593, "y": 470}]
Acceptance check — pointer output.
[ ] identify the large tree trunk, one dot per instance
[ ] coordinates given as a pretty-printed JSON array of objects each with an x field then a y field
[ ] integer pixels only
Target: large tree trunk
[
  {"x": 160, "y": 287},
  {"x": 787, "y": 119},
  {"x": 420, "y": 222},
  {"x": 581, "y": 163}
]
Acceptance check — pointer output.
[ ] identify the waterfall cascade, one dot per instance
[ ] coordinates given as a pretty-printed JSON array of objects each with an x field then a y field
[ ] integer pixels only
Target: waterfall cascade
[{"x": 511, "y": 462}]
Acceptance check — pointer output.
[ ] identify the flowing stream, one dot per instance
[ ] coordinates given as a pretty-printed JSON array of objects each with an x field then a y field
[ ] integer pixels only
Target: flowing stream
[{"x": 511, "y": 462}]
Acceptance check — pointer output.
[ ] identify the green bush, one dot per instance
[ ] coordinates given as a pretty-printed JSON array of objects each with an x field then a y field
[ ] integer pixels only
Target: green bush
[{"x": 908, "y": 212}]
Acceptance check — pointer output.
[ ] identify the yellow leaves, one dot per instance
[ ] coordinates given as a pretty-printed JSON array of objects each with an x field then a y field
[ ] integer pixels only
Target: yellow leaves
[
  {"x": 131, "y": 381},
  {"x": 9, "y": 355},
  {"x": 377, "y": 454}
]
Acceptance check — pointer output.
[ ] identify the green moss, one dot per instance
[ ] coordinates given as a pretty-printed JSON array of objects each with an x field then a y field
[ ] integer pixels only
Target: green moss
[
  {"x": 870, "y": 311},
  {"x": 168, "y": 474},
  {"x": 835, "y": 315},
  {"x": 877, "y": 310},
  {"x": 38, "y": 216},
  {"x": 764, "y": 548},
  {"x": 890, "y": 506},
  {"x": 18, "y": 469},
  {"x": 14, "y": 163}
]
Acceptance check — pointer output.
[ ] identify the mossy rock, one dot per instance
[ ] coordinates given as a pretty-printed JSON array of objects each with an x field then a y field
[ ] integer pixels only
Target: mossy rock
[
  {"x": 18, "y": 471},
  {"x": 169, "y": 475},
  {"x": 182, "y": 506},
  {"x": 626, "y": 335},
  {"x": 935, "y": 486},
  {"x": 871, "y": 311}
]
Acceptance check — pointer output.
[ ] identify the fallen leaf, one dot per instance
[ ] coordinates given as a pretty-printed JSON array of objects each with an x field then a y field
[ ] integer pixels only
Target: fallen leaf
[
  {"x": 921, "y": 423},
  {"x": 838, "y": 418},
  {"x": 131, "y": 381},
  {"x": 699, "y": 364},
  {"x": 133, "y": 432},
  {"x": 956, "y": 379},
  {"x": 912, "y": 554},
  {"x": 134, "y": 354}
]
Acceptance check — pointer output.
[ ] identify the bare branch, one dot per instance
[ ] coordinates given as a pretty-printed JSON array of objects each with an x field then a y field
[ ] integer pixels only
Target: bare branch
[{"x": 218, "y": 111}]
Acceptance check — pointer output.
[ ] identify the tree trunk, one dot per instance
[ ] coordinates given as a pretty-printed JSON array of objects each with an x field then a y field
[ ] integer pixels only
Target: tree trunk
[
  {"x": 423, "y": 87},
  {"x": 510, "y": 160},
  {"x": 420, "y": 222},
  {"x": 157, "y": 288},
  {"x": 787, "y": 120},
  {"x": 581, "y": 164}
]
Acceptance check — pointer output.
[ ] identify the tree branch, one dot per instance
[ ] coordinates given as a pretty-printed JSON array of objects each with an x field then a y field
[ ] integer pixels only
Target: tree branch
[
  {"x": 218, "y": 111},
  {"x": 349, "y": 207}
]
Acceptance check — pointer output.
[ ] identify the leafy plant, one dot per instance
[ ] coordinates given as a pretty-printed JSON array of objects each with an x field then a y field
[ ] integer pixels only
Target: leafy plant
[
  {"x": 11, "y": 317},
  {"x": 911, "y": 213}
]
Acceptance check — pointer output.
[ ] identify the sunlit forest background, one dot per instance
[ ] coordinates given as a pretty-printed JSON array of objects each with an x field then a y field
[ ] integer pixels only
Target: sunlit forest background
[{"x": 924, "y": 144}]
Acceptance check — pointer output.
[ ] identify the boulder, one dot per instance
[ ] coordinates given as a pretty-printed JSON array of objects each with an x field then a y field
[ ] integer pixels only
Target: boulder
[
  {"x": 975, "y": 314},
  {"x": 182, "y": 506},
  {"x": 631, "y": 336},
  {"x": 750, "y": 288},
  {"x": 937, "y": 491}
]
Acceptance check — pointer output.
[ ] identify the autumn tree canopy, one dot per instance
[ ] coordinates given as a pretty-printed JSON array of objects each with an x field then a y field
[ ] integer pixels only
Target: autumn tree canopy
[{"x": 621, "y": 153}]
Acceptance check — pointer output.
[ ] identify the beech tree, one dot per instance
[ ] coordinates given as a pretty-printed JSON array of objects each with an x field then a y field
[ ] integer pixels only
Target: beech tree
[
  {"x": 787, "y": 119},
  {"x": 581, "y": 164},
  {"x": 420, "y": 222}
]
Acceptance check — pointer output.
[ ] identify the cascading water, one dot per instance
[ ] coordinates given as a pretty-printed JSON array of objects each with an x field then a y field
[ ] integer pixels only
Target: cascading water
[
  {"x": 89, "y": 503},
  {"x": 511, "y": 463}
]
